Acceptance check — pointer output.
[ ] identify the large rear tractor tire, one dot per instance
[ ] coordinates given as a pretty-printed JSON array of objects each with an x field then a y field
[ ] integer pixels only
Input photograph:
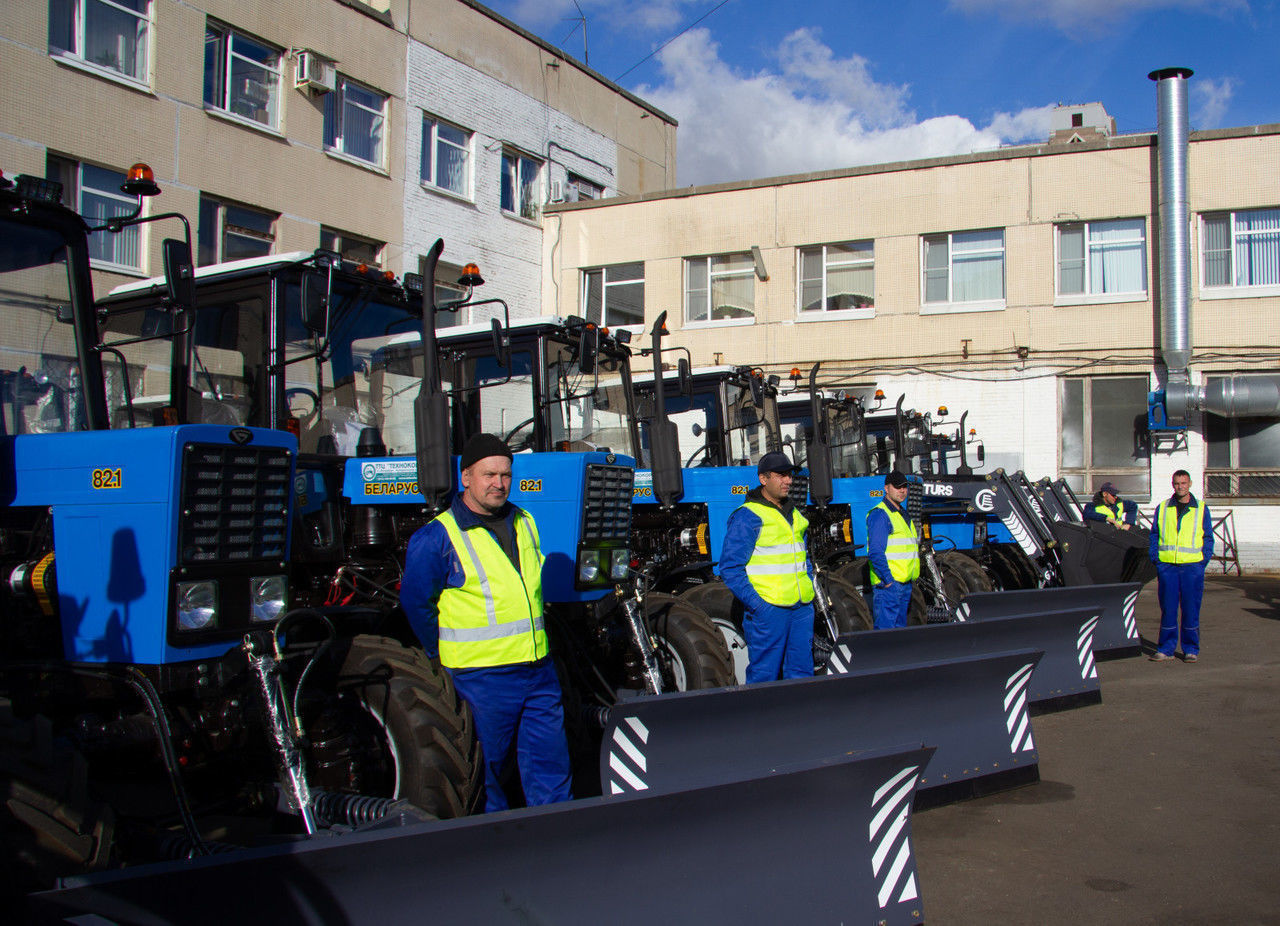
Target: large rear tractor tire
[
  {"x": 974, "y": 578},
  {"x": 691, "y": 649},
  {"x": 390, "y": 724},
  {"x": 849, "y": 612}
]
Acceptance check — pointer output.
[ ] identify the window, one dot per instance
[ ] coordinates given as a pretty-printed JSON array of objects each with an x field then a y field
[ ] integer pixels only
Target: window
[
  {"x": 446, "y": 156},
  {"x": 241, "y": 75},
  {"x": 354, "y": 117},
  {"x": 1241, "y": 249},
  {"x": 580, "y": 188},
  {"x": 447, "y": 290},
  {"x": 94, "y": 192},
  {"x": 614, "y": 295},
  {"x": 1242, "y": 455},
  {"x": 1104, "y": 433},
  {"x": 837, "y": 278},
  {"x": 964, "y": 267},
  {"x": 1097, "y": 258},
  {"x": 351, "y": 247},
  {"x": 228, "y": 231},
  {"x": 719, "y": 288},
  {"x": 520, "y": 175},
  {"x": 111, "y": 34}
]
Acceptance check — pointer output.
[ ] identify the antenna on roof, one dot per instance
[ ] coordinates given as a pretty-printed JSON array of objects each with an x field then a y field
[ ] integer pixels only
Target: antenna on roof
[{"x": 581, "y": 20}]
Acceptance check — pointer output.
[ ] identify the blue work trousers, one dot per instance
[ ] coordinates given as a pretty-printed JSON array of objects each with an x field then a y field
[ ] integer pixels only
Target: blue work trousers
[
  {"x": 889, "y": 606},
  {"x": 521, "y": 703},
  {"x": 1180, "y": 584},
  {"x": 779, "y": 642}
]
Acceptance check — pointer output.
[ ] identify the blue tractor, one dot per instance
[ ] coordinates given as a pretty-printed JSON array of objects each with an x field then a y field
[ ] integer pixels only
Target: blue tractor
[{"x": 349, "y": 359}]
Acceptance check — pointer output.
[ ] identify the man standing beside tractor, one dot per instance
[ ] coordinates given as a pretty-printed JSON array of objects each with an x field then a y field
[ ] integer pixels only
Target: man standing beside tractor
[
  {"x": 1181, "y": 548},
  {"x": 893, "y": 549},
  {"x": 765, "y": 564},
  {"x": 472, "y": 591}
]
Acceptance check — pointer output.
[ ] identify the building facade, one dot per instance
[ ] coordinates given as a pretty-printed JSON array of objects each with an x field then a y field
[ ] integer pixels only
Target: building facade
[
  {"x": 1019, "y": 285},
  {"x": 296, "y": 124}
]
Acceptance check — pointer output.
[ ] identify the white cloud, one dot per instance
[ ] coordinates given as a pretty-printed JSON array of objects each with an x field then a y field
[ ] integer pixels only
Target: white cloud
[
  {"x": 816, "y": 112},
  {"x": 1089, "y": 15},
  {"x": 1210, "y": 99}
]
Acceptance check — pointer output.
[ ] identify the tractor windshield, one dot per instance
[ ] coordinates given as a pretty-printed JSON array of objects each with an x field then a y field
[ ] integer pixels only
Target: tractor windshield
[
  {"x": 718, "y": 425},
  {"x": 40, "y": 389}
]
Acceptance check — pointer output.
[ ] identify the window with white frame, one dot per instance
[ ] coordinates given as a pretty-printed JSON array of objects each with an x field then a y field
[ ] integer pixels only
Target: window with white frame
[
  {"x": 354, "y": 121},
  {"x": 94, "y": 192},
  {"x": 447, "y": 290},
  {"x": 1103, "y": 433},
  {"x": 110, "y": 34},
  {"x": 578, "y": 189},
  {"x": 1102, "y": 258},
  {"x": 446, "y": 156},
  {"x": 241, "y": 75},
  {"x": 965, "y": 269},
  {"x": 719, "y": 288},
  {"x": 837, "y": 278},
  {"x": 1241, "y": 249},
  {"x": 230, "y": 231},
  {"x": 521, "y": 175},
  {"x": 614, "y": 295},
  {"x": 351, "y": 247}
]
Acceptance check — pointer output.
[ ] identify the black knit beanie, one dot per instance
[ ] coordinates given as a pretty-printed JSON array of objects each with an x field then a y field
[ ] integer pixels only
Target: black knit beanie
[{"x": 481, "y": 446}]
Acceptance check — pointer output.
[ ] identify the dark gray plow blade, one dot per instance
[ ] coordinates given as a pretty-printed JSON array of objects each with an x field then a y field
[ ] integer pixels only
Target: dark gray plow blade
[
  {"x": 973, "y": 709},
  {"x": 650, "y": 858},
  {"x": 1117, "y": 631},
  {"x": 1066, "y": 676}
]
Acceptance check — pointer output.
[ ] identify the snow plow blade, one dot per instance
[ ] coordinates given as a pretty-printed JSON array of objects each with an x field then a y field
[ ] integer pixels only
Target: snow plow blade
[
  {"x": 972, "y": 709},
  {"x": 1065, "y": 677},
  {"x": 548, "y": 864},
  {"x": 1116, "y": 634}
]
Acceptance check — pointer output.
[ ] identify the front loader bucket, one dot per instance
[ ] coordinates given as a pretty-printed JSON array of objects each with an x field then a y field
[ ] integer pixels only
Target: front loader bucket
[
  {"x": 973, "y": 709},
  {"x": 1093, "y": 553},
  {"x": 1066, "y": 676},
  {"x": 1116, "y": 634},
  {"x": 682, "y": 856}
]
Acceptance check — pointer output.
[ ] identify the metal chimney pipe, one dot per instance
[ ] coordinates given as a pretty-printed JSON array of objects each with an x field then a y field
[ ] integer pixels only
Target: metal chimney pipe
[{"x": 1175, "y": 267}]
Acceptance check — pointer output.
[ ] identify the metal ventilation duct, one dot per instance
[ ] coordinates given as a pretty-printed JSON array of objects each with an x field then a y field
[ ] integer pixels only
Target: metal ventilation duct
[{"x": 1175, "y": 264}]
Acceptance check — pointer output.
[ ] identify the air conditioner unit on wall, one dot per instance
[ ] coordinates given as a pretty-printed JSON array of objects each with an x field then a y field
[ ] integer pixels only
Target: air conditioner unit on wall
[
  {"x": 557, "y": 192},
  {"x": 314, "y": 73}
]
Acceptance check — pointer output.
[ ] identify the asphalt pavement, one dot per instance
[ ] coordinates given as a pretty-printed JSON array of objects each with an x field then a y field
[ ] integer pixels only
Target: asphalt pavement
[{"x": 1159, "y": 805}]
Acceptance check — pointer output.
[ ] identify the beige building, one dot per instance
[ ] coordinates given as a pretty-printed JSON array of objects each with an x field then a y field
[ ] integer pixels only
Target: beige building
[
  {"x": 294, "y": 124},
  {"x": 1018, "y": 284}
]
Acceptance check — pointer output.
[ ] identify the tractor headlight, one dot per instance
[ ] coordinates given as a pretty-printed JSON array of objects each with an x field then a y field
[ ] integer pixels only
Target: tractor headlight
[
  {"x": 588, "y": 566},
  {"x": 268, "y": 598},
  {"x": 197, "y": 605},
  {"x": 619, "y": 564}
]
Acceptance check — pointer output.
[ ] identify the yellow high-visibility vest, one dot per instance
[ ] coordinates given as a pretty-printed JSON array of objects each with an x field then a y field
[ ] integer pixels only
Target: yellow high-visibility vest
[
  {"x": 777, "y": 568},
  {"x": 902, "y": 550},
  {"x": 1111, "y": 514},
  {"x": 495, "y": 617},
  {"x": 1180, "y": 544}
]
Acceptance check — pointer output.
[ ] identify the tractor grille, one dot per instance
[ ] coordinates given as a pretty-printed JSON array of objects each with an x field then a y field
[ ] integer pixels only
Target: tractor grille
[
  {"x": 606, "y": 510},
  {"x": 799, "y": 493},
  {"x": 234, "y": 504},
  {"x": 915, "y": 501}
]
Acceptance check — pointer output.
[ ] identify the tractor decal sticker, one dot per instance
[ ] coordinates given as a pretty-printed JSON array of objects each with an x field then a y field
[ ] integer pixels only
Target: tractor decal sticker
[
  {"x": 107, "y": 478},
  {"x": 1130, "y": 625},
  {"x": 1017, "y": 721},
  {"x": 888, "y": 832},
  {"x": 841, "y": 659},
  {"x": 1019, "y": 533},
  {"x": 626, "y": 757},
  {"x": 1084, "y": 648}
]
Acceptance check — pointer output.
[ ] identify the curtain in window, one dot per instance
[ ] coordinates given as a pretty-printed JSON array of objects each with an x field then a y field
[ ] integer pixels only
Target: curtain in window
[
  {"x": 936, "y": 269},
  {"x": 99, "y": 201},
  {"x": 1071, "y": 260},
  {"x": 732, "y": 286},
  {"x": 978, "y": 266},
  {"x": 116, "y": 38},
  {"x": 361, "y": 124},
  {"x": 695, "y": 296},
  {"x": 1117, "y": 257},
  {"x": 811, "y": 271},
  {"x": 1217, "y": 251},
  {"x": 451, "y": 153},
  {"x": 1257, "y": 248}
]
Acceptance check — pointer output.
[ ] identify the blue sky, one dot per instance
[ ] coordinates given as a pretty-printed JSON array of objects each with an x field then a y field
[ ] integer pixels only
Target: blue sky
[{"x": 764, "y": 87}]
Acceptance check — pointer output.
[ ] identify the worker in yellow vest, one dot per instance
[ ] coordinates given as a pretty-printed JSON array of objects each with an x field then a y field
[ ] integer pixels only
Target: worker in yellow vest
[
  {"x": 893, "y": 549},
  {"x": 1181, "y": 548},
  {"x": 472, "y": 591},
  {"x": 765, "y": 564},
  {"x": 1109, "y": 508}
]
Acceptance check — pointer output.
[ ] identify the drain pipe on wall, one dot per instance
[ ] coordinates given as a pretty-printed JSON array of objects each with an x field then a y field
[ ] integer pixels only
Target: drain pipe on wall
[{"x": 1229, "y": 396}]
